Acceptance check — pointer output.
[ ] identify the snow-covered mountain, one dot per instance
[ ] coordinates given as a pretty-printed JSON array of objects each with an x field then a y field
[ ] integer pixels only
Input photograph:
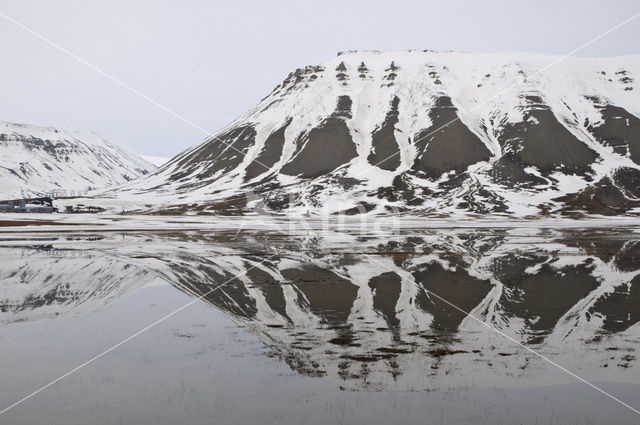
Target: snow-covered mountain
[
  {"x": 423, "y": 132},
  {"x": 35, "y": 160}
]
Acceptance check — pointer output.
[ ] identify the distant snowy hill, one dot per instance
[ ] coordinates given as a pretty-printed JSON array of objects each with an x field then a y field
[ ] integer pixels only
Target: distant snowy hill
[
  {"x": 156, "y": 160},
  {"x": 422, "y": 132},
  {"x": 35, "y": 160}
]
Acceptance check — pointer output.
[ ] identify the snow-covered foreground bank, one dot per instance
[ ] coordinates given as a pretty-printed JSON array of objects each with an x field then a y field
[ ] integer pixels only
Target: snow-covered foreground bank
[{"x": 16, "y": 222}]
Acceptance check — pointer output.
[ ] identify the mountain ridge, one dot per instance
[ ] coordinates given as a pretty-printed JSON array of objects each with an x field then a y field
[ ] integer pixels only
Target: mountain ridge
[{"x": 422, "y": 132}]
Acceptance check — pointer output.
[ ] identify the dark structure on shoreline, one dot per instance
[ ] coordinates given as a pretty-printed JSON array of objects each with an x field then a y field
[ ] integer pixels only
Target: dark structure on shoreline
[{"x": 39, "y": 205}]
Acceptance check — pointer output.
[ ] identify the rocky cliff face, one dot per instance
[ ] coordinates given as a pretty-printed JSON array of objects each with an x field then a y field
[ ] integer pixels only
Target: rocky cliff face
[{"x": 423, "y": 132}]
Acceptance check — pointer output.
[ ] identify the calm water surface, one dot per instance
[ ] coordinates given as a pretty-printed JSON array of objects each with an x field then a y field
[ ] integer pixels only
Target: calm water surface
[{"x": 321, "y": 327}]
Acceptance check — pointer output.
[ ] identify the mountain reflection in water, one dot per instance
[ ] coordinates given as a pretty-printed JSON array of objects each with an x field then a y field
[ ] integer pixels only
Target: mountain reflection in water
[{"x": 367, "y": 312}]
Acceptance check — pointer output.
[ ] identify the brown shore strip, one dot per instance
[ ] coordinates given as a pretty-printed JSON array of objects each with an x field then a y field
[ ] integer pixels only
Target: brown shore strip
[{"x": 16, "y": 223}]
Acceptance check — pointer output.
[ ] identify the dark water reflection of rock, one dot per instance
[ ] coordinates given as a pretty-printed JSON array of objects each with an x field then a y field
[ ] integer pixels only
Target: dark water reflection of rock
[{"x": 368, "y": 312}]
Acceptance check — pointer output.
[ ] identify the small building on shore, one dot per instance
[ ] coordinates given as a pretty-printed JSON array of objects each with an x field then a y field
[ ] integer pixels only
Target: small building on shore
[{"x": 38, "y": 206}]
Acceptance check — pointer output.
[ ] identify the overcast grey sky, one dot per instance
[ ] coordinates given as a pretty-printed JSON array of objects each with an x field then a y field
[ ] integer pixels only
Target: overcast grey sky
[{"x": 211, "y": 61}]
